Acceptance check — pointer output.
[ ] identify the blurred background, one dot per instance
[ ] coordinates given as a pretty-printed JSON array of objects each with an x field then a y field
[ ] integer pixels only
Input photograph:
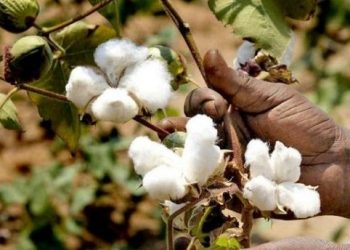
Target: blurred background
[{"x": 50, "y": 199}]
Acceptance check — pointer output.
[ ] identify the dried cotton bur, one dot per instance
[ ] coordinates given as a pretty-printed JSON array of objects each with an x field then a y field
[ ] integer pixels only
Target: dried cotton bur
[
  {"x": 274, "y": 189},
  {"x": 125, "y": 83}
]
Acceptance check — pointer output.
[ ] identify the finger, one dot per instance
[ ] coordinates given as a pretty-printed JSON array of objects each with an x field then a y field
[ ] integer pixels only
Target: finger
[
  {"x": 249, "y": 94},
  {"x": 206, "y": 101},
  {"x": 172, "y": 124}
]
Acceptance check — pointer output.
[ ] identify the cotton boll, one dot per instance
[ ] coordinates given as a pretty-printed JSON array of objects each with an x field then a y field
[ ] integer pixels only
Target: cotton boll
[
  {"x": 261, "y": 192},
  {"x": 303, "y": 201},
  {"x": 150, "y": 82},
  {"x": 200, "y": 162},
  {"x": 147, "y": 155},
  {"x": 114, "y": 56},
  {"x": 201, "y": 129},
  {"x": 286, "y": 163},
  {"x": 200, "y": 156},
  {"x": 84, "y": 84},
  {"x": 244, "y": 53},
  {"x": 257, "y": 158},
  {"x": 164, "y": 183},
  {"x": 114, "y": 105}
]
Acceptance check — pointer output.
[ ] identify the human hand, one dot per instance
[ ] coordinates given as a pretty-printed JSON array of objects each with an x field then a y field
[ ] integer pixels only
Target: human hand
[{"x": 275, "y": 111}]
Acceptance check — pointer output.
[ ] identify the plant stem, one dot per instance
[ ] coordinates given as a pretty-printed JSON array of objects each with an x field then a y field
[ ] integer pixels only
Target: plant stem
[
  {"x": 8, "y": 96},
  {"x": 186, "y": 33},
  {"x": 43, "y": 92},
  {"x": 170, "y": 236},
  {"x": 247, "y": 220},
  {"x": 151, "y": 126},
  {"x": 57, "y": 27}
]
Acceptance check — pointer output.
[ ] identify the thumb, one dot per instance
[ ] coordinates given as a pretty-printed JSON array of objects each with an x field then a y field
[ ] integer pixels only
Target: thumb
[{"x": 249, "y": 94}]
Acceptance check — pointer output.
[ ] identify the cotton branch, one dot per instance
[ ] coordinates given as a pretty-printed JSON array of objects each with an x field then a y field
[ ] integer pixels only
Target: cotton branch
[{"x": 186, "y": 33}]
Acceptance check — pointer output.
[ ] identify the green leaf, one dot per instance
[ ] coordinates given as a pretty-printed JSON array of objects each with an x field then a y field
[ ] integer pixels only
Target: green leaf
[
  {"x": 14, "y": 193},
  {"x": 259, "y": 21},
  {"x": 298, "y": 9},
  {"x": 110, "y": 12},
  {"x": 80, "y": 40},
  {"x": 8, "y": 115},
  {"x": 64, "y": 117},
  {"x": 82, "y": 197},
  {"x": 224, "y": 242},
  {"x": 40, "y": 201}
]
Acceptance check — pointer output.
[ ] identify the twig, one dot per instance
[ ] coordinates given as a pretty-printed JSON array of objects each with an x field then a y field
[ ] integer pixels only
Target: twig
[
  {"x": 8, "y": 97},
  {"x": 234, "y": 143},
  {"x": 186, "y": 33},
  {"x": 170, "y": 236},
  {"x": 43, "y": 92},
  {"x": 75, "y": 19},
  {"x": 247, "y": 220},
  {"x": 142, "y": 121}
]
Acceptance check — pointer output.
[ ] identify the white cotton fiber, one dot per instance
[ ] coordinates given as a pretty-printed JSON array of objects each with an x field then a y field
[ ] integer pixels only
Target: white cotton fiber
[
  {"x": 150, "y": 82},
  {"x": 165, "y": 183},
  {"x": 202, "y": 128},
  {"x": 84, "y": 84},
  {"x": 147, "y": 154},
  {"x": 303, "y": 201},
  {"x": 286, "y": 163},
  {"x": 257, "y": 158},
  {"x": 179, "y": 221},
  {"x": 245, "y": 52},
  {"x": 262, "y": 193},
  {"x": 115, "y": 55},
  {"x": 200, "y": 155},
  {"x": 114, "y": 105}
]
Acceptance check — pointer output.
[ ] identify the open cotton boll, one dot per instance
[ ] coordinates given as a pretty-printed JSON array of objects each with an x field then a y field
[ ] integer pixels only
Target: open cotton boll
[
  {"x": 165, "y": 183},
  {"x": 303, "y": 201},
  {"x": 286, "y": 163},
  {"x": 245, "y": 52},
  {"x": 150, "y": 82},
  {"x": 114, "y": 105},
  {"x": 200, "y": 156},
  {"x": 84, "y": 84},
  {"x": 200, "y": 162},
  {"x": 261, "y": 192},
  {"x": 257, "y": 158},
  {"x": 147, "y": 154},
  {"x": 115, "y": 55},
  {"x": 201, "y": 129}
]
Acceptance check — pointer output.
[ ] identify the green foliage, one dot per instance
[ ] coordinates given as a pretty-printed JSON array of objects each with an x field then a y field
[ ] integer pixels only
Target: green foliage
[
  {"x": 64, "y": 117},
  {"x": 225, "y": 242},
  {"x": 80, "y": 40},
  {"x": 258, "y": 21},
  {"x": 300, "y": 10},
  {"x": 56, "y": 198},
  {"x": 262, "y": 21},
  {"x": 8, "y": 115},
  {"x": 119, "y": 11}
]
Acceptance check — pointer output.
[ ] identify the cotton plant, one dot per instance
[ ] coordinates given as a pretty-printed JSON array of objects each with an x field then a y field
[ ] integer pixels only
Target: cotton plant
[
  {"x": 126, "y": 81},
  {"x": 272, "y": 185},
  {"x": 168, "y": 175}
]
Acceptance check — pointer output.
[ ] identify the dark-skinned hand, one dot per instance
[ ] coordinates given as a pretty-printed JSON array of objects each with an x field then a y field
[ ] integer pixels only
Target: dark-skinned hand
[{"x": 276, "y": 111}]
